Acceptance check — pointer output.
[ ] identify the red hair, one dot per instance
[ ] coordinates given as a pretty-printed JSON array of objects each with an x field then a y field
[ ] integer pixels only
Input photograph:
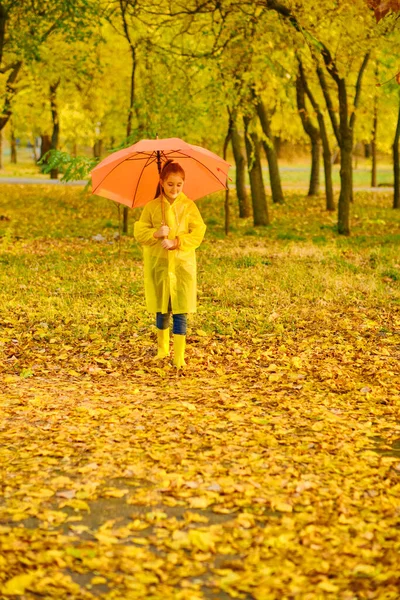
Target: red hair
[{"x": 169, "y": 168}]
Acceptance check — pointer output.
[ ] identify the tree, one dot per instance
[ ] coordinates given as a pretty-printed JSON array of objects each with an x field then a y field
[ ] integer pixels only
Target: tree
[
  {"x": 26, "y": 27},
  {"x": 240, "y": 162},
  {"x": 306, "y": 23},
  {"x": 232, "y": 39},
  {"x": 374, "y": 134},
  {"x": 396, "y": 162},
  {"x": 55, "y": 117},
  {"x": 253, "y": 150},
  {"x": 326, "y": 150}
]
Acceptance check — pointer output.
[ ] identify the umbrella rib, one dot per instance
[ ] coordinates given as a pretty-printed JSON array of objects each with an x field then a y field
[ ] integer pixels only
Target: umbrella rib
[
  {"x": 140, "y": 176},
  {"x": 182, "y": 155},
  {"x": 144, "y": 155},
  {"x": 106, "y": 175},
  {"x": 118, "y": 164},
  {"x": 198, "y": 161}
]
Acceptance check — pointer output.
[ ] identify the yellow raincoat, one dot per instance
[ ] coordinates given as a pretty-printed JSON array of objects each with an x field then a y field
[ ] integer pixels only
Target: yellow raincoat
[{"x": 170, "y": 274}]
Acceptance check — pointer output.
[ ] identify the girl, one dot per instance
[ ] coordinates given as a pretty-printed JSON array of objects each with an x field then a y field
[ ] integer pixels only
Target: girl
[{"x": 169, "y": 258}]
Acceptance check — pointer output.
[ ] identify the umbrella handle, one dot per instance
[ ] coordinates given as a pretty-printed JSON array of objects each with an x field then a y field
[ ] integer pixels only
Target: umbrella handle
[{"x": 162, "y": 210}]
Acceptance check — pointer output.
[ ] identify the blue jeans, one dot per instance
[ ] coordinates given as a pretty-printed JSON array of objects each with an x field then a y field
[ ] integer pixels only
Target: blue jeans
[{"x": 179, "y": 322}]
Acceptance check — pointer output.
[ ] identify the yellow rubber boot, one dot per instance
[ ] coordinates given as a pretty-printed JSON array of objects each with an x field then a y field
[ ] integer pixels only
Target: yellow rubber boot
[
  {"x": 179, "y": 350},
  {"x": 162, "y": 343}
]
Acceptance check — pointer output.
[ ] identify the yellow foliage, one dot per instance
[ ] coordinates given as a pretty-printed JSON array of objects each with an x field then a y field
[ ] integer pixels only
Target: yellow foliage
[{"x": 268, "y": 469}]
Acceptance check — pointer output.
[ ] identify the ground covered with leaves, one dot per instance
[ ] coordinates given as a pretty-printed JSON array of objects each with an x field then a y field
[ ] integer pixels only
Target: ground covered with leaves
[{"x": 269, "y": 469}]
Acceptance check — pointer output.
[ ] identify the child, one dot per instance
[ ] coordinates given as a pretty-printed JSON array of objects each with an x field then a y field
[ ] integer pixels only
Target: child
[{"x": 169, "y": 246}]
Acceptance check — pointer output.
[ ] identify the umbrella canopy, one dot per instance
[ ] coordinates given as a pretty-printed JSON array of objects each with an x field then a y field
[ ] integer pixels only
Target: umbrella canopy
[{"x": 130, "y": 176}]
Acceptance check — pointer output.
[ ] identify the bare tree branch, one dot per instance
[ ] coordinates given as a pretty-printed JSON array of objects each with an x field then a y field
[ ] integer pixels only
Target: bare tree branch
[
  {"x": 358, "y": 87},
  {"x": 329, "y": 103},
  {"x": 10, "y": 93}
]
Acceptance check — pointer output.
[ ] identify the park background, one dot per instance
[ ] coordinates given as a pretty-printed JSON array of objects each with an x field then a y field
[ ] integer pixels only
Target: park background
[{"x": 269, "y": 468}]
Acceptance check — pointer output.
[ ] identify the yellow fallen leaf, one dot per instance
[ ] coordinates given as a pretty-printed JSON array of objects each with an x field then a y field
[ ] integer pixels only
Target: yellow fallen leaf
[
  {"x": 79, "y": 528},
  {"x": 203, "y": 540},
  {"x": 283, "y": 507},
  {"x": 275, "y": 377},
  {"x": 318, "y": 426},
  {"x": 113, "y": 493},
  {"x": 61, "y": 481},
  {"x": 18, "y": 584},
  {"x": 188, "y": 405},
  {"x": 105, "y": 538},
  {"x": 195, "y": 518},
  {"x": 19, "y": 516},
  {"x": 97, "y": 580},
  {"x": 138, "y": 525},
  {"x": 365, "y": 570},
  {"x": 234, "y": 416},
  {"x": 72, "y": 372},
  {"x": 327, "y": 586},
  {"x": 42, "y": 493},
  {"x": 200, "y": 502},
  {"x": 297, "y": 362},
  {"x": 76, "y": 504}
]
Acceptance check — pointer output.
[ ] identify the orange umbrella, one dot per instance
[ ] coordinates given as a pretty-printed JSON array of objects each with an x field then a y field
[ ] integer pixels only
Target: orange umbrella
[{"x": 130, "y": 176}]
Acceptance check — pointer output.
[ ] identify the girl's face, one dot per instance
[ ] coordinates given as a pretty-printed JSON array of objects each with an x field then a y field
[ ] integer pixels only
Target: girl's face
[{"x": 172, "y": 186}]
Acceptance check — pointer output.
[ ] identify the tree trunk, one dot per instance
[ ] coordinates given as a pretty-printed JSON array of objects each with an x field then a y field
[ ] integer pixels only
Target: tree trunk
[
  {"x": 351, "y": 177},
  {"x": 10, "y": 93},
  {"x": 123, "y": 8},
  {"x": 269, "y": 148},
  {"x": 373, "y": 144},
  {"x": 45, "y": 145},
  {"x": 313, "y": 189},
  {"x": 55, "y": 135},
  {"x": 258, "y": 197},
  {"x": 396, "y": 163},
  {"x": 13, "y": 145},
  {"x": 346, "y": 186},
  {"x": 326, "y": 150},
  {"x": 278, "y": 145},
  {"x": 327, "y": 157},
  {"x": 97, "y": 149},
  {"x": 34, "y": 153},
  {"x": 312, "y": 133},
  {"x": 125, "y": 219},
  {"x": 344, "y": 133},
  {"x": 240, "y": 162},
  {"x": 130, "y": 112},
  {"x": 3, "y": 23},
  {"x": 131, "y": 94},
  {"x": 226, "y": 206}
]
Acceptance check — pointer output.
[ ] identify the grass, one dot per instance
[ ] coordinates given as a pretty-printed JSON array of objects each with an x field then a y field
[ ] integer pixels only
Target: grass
[{"x": 55, "y": 272}]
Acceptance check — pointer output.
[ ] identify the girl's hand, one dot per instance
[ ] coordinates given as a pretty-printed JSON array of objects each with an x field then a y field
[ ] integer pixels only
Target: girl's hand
[
  {"x": 169, "y": 244},
  {"x": 162, "y": 232}
]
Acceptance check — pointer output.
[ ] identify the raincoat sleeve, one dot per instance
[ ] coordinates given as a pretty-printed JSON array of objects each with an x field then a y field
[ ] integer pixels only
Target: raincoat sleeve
[
  {"x": 143, "y": 229},
  {"x": 197, "y": 229}
]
